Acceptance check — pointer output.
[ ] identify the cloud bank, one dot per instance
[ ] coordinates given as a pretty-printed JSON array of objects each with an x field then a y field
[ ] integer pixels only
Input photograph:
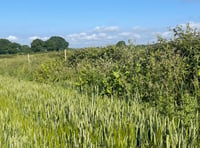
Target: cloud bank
[
  {"x": 109, "y": 35},
  {"x": 106, "y": 35},
  {"x": 37, "y": 37},
  {"x": 12, "y": 38}
]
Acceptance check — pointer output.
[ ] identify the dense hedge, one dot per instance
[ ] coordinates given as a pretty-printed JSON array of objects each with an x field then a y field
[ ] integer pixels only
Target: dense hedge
[{"x": 165, "y": 74}]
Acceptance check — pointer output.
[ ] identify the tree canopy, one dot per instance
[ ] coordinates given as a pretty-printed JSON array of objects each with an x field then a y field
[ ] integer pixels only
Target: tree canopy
[
  {"x": 55, "y": 43},
  {"x": 7, "y": 47},
  {"x": 121, "y": 44},
  {"x": 38, "y": 45}
]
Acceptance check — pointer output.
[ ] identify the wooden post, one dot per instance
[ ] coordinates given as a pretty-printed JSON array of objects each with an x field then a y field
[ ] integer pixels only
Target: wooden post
[
  {"x": 28, "y": 58},
  {"x": 65, "y": 55}
]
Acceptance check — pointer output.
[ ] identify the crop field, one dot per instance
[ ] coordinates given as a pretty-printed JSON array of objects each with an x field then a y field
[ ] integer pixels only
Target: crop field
[{"x": 33, "y": 115}]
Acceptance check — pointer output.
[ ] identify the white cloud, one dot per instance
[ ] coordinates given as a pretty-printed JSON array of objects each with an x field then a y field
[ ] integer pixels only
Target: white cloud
[
  {"x": 106, "y": 29},
  {"x": 73, "y": 35},
  {"x": 124, "y": 33},
  {"x": 130, "y": 35},
  {"x": 90, "y": 37},
  {"x": 194, "y": 25},
  {"x": 102, "y": 34},
  {"x": 108, "y": 35},
  {"x": 138, "y": 36},
  {"x": 34, "y": 37},
  {"x": 37, "y": 37},
  {"x": 12, "y": 38},
  {"x": 82, "y": 36},
  {"x": 141, "y": 29},
  {"x": 167, "y": 34}
]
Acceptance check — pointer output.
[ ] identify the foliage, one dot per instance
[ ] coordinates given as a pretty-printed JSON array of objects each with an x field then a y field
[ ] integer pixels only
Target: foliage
[
  {"x": 25, "y": 49},
  {"x": 38, "y": 45},
  {"x": 186, "y": 44},
  {"x": 51, "y": 72},
  {"x": 56, "y": 43},
  {"x": 53, "y": 44},
  {"x": 161, "y": 74},
  {"x": 7, "y": 47},
  {"x": 121, "y": 44}
]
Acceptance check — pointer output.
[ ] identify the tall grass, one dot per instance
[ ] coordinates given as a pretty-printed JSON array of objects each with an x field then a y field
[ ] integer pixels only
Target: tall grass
[
  {"x": 41, "y": 115},
  {"x": 18, "y": 65}
]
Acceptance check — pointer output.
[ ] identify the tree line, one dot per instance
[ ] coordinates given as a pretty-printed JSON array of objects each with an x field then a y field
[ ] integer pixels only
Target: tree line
[{"x": 55, "y": 43}]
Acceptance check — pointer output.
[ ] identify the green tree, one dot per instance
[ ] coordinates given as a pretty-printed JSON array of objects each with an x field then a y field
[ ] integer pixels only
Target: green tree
[
  {"x": 7, "y": 47},
  {"x": 14, "y": 48},
  {"x": 38, "y": 45},
  {"x": 25, "y": 49},
  {"x": 56, "y": 43},
  {"x": 121, "y": 44},
  {"x": 4, "y": 46}
]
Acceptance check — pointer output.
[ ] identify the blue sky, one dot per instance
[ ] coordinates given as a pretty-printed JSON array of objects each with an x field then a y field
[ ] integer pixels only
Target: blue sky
[{"x": 86, "y": 23}]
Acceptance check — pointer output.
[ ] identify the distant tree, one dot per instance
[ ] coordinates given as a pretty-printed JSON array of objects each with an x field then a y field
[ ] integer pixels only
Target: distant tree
[
  {"x": 7, "y": 47},
  {"x": 25, "y": 49},
  {"x": 4, "y": 46},
  {"x": 56, "y": 43},
  {"x": 121, "y": 44},
  {"x": 38, "y": 45},
  {"x": 14, "y": 48}
]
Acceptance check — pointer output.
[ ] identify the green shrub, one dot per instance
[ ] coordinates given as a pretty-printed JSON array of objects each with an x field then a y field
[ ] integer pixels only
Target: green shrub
[{"x": 49, "y": 72}]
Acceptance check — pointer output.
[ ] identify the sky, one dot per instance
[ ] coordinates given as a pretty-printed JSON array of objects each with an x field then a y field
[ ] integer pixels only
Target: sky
[{"x": 86, "y": 23}]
